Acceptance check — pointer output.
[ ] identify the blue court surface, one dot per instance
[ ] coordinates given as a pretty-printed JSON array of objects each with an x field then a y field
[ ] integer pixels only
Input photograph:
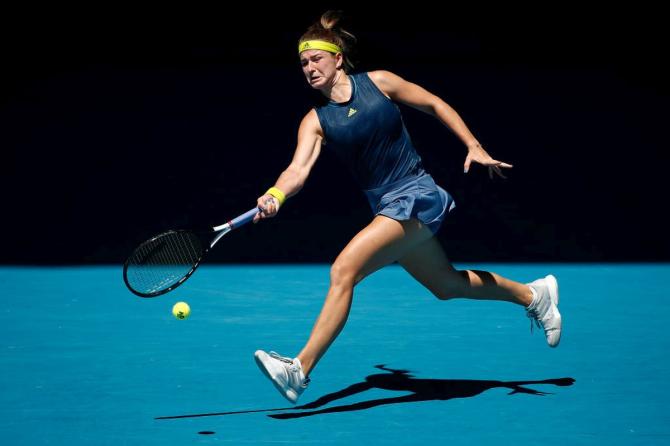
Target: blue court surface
[{"x": 85, "y": 362}]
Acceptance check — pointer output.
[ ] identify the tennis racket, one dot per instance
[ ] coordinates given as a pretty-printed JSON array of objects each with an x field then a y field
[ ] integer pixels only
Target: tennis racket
[{"x": 165, "y": 261}]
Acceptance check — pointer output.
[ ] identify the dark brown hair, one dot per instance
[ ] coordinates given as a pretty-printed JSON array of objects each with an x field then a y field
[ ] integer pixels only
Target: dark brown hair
[{"x": 328, "y": 28}]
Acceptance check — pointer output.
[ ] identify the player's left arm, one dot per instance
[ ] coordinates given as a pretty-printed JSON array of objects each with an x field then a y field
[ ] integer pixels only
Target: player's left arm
[{"x": 415, "y": 96}]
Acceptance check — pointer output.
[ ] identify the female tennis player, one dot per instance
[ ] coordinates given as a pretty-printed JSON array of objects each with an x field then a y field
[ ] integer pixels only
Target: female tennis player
[{"x": 361, "y": 123}]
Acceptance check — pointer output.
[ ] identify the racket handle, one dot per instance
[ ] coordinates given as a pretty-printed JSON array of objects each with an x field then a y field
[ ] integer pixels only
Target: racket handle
[{"x": 244, "y": 218}]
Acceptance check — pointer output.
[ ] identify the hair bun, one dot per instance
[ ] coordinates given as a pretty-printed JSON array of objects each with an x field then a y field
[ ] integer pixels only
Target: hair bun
[{"x": 330, "y": 19}]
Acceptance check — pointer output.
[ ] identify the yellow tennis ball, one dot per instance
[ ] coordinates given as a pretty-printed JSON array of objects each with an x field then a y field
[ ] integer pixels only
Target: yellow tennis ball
[{"x": 181, "y": 310}]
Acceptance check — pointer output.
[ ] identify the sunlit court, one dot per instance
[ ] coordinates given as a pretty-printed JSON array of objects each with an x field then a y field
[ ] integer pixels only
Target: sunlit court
[{"x": 91, "y": 364}]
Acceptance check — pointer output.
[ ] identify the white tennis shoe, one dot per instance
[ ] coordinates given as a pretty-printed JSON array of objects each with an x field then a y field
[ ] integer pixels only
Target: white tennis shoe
[
  {"x": 285, "y": 373},
  {"x": 543, "y": 310}
]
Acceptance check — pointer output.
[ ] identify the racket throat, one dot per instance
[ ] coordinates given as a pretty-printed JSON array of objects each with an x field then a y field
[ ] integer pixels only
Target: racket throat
[{"x": 221, "y": 231}]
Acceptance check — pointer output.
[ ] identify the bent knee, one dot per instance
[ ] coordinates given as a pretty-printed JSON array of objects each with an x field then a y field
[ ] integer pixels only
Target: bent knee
[
  {"x": 446, "y": 293},
  {"x": 342, "y": 274},
  {"x": 451, "y": 288}
]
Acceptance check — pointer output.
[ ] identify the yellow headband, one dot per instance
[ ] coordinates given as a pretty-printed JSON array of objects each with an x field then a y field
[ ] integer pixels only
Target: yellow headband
[{"x": 318, "y": 45}]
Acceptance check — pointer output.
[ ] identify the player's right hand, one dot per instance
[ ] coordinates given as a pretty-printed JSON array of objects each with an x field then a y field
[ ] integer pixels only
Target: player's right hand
[{"x": 269, "y": 206}]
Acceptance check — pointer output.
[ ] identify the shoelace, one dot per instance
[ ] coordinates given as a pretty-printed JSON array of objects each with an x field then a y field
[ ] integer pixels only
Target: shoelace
[
  {"x": 534, "y": 317},
  {"x": 281, "y": 358},
  {"x": 294, "y": 368}
]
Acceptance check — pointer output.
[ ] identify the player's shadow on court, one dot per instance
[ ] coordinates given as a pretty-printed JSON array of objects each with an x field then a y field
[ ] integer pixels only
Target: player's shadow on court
[
  {"x": 422, "y": 390},
  {"x": 401, "y": 381}
]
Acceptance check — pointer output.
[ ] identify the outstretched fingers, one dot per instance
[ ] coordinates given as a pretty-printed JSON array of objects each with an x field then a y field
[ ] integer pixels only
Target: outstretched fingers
[{"x": 497, "y": 169}]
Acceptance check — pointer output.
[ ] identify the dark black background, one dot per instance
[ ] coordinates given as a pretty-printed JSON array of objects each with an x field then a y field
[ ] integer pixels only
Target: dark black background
[{"x": 117, "y": 124}]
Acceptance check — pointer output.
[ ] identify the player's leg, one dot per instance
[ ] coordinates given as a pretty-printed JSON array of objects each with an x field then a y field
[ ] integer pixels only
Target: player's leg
[
  {"x": 428, "y": 263},
  {"x": 380, "y": 243}
]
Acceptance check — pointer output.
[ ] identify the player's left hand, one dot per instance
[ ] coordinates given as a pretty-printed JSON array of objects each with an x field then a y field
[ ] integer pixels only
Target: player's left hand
[{"x": 477, "y": 154}]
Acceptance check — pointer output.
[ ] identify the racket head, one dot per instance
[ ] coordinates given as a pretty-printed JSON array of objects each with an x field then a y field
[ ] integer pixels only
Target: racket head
[{"x": 163, "y": 262}]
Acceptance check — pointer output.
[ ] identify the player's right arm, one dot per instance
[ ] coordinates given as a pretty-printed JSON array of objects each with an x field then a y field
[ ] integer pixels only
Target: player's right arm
[{"x": 293, "y": 178}]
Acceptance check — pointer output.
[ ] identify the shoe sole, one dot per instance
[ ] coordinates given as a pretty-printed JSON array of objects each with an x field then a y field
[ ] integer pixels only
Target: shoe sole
[
  {"x": 553, "y": 295},
  {"x": 265, "y": 371}
]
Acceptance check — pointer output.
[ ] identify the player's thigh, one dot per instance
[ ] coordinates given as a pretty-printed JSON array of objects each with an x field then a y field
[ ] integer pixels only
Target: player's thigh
[
  {"x": 428, "y": 263},
  {"x": 380, "y": 243}
]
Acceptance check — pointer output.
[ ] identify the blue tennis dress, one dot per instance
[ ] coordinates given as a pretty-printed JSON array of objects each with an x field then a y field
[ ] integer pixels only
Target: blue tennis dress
[{"x": 368, "y": 134}]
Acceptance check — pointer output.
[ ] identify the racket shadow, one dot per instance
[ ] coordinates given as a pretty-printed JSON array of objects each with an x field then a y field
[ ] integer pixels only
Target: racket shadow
[{"x": 400, "y": 381}]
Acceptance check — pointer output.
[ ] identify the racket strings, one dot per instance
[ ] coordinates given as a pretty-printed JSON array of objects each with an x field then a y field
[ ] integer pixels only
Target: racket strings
[{"x": 164, "y": 261}]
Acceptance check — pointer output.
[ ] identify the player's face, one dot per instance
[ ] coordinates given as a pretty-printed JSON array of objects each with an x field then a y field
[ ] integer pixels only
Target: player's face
[{"x": 320, "y": 67}]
